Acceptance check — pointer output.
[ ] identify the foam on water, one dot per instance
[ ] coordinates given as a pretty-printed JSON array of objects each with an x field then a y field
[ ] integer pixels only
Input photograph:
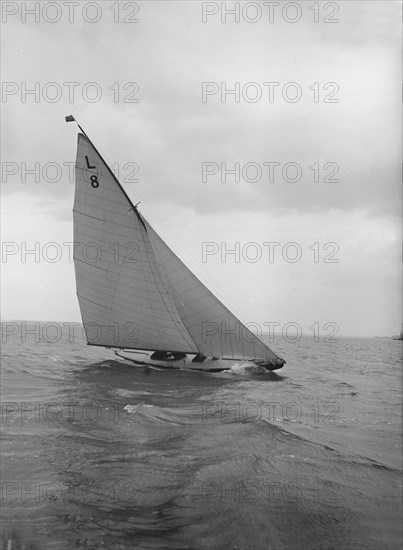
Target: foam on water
[{"x": 246, "y": 368}]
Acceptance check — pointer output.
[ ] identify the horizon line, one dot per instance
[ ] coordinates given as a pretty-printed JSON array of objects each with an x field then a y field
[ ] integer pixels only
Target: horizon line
[{"x": 263, "y": 333}]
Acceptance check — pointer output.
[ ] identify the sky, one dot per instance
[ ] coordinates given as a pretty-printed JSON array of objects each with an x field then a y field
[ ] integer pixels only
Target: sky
[{"x": 155, "y": 97}]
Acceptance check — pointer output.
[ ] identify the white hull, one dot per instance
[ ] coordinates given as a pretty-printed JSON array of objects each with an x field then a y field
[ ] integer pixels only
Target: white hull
[{"x": 208, "y": 365}]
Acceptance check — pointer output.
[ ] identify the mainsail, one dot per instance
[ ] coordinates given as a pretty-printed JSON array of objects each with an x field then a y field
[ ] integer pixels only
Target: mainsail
[
  {"x": 122, "y": 298},
  {"x": 133, "y": 291}
]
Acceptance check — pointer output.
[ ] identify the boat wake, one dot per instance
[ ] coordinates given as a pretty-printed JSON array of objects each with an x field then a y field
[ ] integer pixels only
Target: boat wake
[{"x": 244, "y": 369}]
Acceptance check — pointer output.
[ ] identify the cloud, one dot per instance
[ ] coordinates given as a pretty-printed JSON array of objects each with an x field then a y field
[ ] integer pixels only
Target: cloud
[{"x": 171, "y": 132}]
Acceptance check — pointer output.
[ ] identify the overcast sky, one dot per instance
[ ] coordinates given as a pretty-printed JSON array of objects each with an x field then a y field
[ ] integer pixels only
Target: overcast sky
[{"x": 170, "y": 132}]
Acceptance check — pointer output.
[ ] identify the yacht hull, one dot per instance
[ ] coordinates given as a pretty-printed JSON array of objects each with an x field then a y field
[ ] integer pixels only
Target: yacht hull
[{"x": 187, "y": 363}]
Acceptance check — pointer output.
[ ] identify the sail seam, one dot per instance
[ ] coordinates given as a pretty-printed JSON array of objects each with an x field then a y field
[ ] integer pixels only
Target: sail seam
[
  {"x": 88, "y": 263},
  {"x": 92, "y": 301}
]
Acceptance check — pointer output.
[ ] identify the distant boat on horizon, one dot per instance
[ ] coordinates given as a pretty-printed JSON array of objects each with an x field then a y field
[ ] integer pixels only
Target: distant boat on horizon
[
  {"x": 400, "y": 337},
  {"x": 136, "y": 296}
]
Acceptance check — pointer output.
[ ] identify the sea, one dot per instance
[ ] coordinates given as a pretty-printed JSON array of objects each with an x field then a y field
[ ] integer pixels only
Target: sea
[{"x": 98, "y": 453}]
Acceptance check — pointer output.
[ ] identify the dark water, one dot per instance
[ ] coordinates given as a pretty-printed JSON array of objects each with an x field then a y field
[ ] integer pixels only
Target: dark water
[{"x": 306, "y": 458}]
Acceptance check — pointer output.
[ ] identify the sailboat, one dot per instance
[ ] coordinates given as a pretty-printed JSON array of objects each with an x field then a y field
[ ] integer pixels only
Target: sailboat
[{"x": 136, "y": 296}]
